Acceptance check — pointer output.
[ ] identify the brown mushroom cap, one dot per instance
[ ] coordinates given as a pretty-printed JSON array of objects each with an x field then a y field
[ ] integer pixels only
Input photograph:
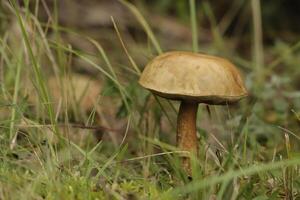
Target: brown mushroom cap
[{"x": 192, "y": 76}]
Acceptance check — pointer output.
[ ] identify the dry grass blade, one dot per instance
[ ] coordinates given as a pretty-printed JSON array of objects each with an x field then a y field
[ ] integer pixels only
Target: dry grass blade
[
  {"x": 152, "y": 155},
  {"x": 134, "y": 65},
  {"x": 144, "y": 24}
]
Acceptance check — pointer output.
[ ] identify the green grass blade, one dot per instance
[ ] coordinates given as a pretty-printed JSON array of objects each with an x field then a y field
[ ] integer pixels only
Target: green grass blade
[
  {"x": 193, "y": 18},
  {"x": 229, "y": 175}
]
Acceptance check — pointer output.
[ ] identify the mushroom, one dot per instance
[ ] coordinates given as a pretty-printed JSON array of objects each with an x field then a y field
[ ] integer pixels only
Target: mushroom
[{"x": 192, "y": 78}]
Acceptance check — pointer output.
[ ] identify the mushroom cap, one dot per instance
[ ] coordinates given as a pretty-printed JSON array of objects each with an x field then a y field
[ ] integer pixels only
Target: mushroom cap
[{"x": 193, "y": 77}]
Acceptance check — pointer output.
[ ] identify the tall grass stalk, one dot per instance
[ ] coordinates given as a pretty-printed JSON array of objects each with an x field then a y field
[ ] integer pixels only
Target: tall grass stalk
[
  {"x": 144, "y": 24},
  {"x": 193, "y": 18},
  {"x": 258, "y": 52},
  {"x": 155, "y": 43},
  {"x": 15, "y": 98},
  {"x": 217, "y": 36},
  {"x": 132, "y": 62},
  {"x": 40, "y": 84},
  {"x": 3, "y": 60}
]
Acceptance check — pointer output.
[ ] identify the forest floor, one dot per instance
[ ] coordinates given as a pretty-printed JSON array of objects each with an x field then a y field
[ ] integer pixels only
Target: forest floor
[{"x": 75, "y": 123}]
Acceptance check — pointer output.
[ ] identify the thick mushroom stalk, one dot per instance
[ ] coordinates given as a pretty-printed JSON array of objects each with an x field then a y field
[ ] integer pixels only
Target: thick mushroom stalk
[{"x": 186, "y": 131}]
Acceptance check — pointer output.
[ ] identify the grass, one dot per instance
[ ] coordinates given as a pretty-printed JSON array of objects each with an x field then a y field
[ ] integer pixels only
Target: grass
[
  {"x": 257, "y": 38},
  {"x": 248, "y": 151}
]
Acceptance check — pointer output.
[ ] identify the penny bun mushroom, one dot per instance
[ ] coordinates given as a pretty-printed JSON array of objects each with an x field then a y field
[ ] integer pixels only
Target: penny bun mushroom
[{"x": 192, "y": 78}]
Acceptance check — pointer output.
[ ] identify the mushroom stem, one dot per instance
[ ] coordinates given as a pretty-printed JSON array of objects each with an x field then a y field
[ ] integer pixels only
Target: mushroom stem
[{"x": 186, "y": 131}]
